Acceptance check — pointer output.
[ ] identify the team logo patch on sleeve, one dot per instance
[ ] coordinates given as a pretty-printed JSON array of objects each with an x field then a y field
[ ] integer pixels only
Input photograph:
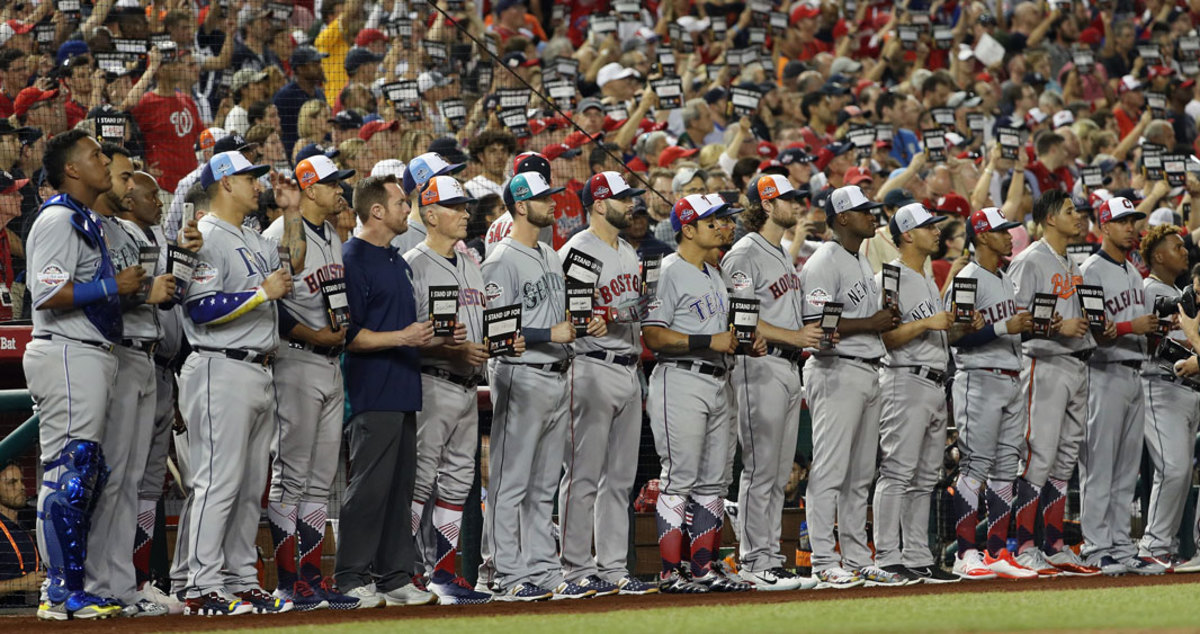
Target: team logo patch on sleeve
[
  {"x": 204, "y": 272},
  {"x": 493, "y": 291},
  {"x": 52, "y": 275},
  {"x": 740, "y": 280},
  {"x": 654, "y": 305},
  {"x": 818, "y": 297}
]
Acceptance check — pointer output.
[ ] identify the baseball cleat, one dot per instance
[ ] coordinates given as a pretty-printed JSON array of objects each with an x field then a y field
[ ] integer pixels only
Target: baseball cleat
[
  {"x": 367, "y": 597},
  {"x": 407, "y": 595},
  {"x": 603, "y": 588},
  {"x": 145, "y": 607},
  {"x": 1006, "y": 567},
  {"x": 1191, "y": 565},
  {"x": 934, "y": 574},
  {"x": 716, "y": 580},
  {"x": 1110, "y": 567},
  {"x": 458, "y": 592},
  {"x": 524, "y": 592},
  {"x": 1069, "y": 563},
  {"x": 777, "y": 579},
  {"x": 1144, "y": 566},
  {"x": 264, "y": 603},
  {"x": 910, "y": 578},
  {"x": 302, "y": 596},
  {"x": 632, "y": 585},
  {"x": 78, "y": 605},
  {"x": 1170, "y": 562},
  {"x": 327, "y": 589},
  {"x": 152, "y": 593},
  {"x": 837, "y": 579},
  {"x": 970, "y": 565},
  {"x": 1035, "y": 560},
  {"x": 679, "y": 581},
  {"x": 568, "y": 590},
  {"x": 216, "y": 604},
  {"x": 874, "y": 576}
]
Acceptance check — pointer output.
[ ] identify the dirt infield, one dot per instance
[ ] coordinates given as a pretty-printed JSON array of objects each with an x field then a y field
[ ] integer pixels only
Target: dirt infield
[{"x": 326, "y": 617}]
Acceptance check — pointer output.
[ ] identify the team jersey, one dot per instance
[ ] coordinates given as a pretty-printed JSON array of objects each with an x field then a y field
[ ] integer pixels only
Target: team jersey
[
  {"x": 996, "y": 300},
  {"x": 1038, "y": 269},
  {"x": 234, "y": 259},
  {"x": 497, "y": 231},
  {"x": 125, "y": 241},
  {"x": 834, "y": 274},
  {"x": 1155, "y": 288},
  {"x": 619, "y": 285},
  {"x": 919, "y": 298},
  {"x": 415, "y": 235},
  {"x": 1124, "y": 300},
  {"x": 690, "y": 301},
  {"x": 533, "y": 278},
  {"x": 170, "y": 126},
  {"x": 322, "y": 263},
  {"x": 170, "y": 320},
  {"x": 432, "y": 269},
  {"x": 57, "y": 254},
  {"x": 757, "y": 269}
]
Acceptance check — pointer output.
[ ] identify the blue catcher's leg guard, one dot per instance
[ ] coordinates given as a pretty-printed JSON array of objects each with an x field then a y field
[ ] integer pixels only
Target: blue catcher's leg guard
[{"x": 66, "y": 517}]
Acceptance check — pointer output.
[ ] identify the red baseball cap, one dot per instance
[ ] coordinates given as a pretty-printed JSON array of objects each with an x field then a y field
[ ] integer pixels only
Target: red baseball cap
[
  {"x": 953, "y": 203},
  {"x": 369, "y": 130},
  {"x": 29, "y": 96},
  {"x": 856, "y": 175},
  {"x": 1160, "y": 71},
  {"x": 605, "y": 185},
  {"x": 990, "y": 219},
  {"x": 1116, "y": 208},
  {"x": 560, "y": 150},
  {"x": 367, "y": 37},
  {"x": 674, "y": 153},
  {"x": 766, "y": 149},
  {"x": 804, "y": 11}
]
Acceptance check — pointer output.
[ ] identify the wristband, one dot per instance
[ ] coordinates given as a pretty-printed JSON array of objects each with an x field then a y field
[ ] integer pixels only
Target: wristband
[
  {"x": 699, "y": 342},
  {"x": 1124, "y": 328},
  {"x": 93, "y": 291},
  {"x": 1001, "y": 328}
]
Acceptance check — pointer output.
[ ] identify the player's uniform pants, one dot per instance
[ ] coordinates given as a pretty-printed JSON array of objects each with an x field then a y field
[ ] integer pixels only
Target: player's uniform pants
[
  {"x": 1172, "y": 413},
  {"x": 912, "y": 437},
  {"x": 229, "y": 408},
  {"x": 599, "y": 462},
  {"x": 309, "y": 414},
  {"x": 768, "y": 394},
  {"x": 155, "y": 473},
  {"x": 1056, "y": 392},
  {"x": 1108, "y": 463},
  {"x": 989, "y": 412},
  {"x": 530, "y": 408},
  {"x": 844, "y": 398},
  {"x": 690, "y": 417},
  {"x": 126, "y": 443},
  {"x": 70, "y": 382}
]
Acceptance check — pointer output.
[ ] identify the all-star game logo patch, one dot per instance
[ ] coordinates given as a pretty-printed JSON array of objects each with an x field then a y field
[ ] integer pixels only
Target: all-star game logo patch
[
  {"x": 52, "y": 275},
  {"x": 493, "y": 291},
  {"x": 740, "y": 281},
  {"x": 204, "y": 272},
  {"x": 818, "y": 297}
]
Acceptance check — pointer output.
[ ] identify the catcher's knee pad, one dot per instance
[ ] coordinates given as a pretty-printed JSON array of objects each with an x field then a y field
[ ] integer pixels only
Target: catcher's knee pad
[{"x": 67, "y": 510}]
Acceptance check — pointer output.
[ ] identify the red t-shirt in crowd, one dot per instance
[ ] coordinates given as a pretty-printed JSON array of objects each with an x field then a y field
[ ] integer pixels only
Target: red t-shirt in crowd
[
  {"x": 6, "y": 106},
  {"x": 568, "y": 213},
  {"x": 171, "y": 126},
  {"x": 75, "y": 113},
  {"x": 1125, "y": 122}
]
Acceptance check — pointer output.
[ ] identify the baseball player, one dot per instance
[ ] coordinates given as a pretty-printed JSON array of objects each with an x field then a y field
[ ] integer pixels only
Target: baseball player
[
  {"x": 912, "y": 426},
  {"x": 502, "y": 225},
  {"x": 447, "y": 425},
  {"x": 842, "y": 387},
  {"x": 226, "y": 394},
  {"x": 308, "y": 386},
  {"x": 530, "y": 404},
  {"x": 690, "y": 413},
  {"x": 606, "y": 413},
  {"x": 1055, "y": 384},
  {"x": 1116, "y": 420},
  {"x": 416, "y": 174},
  {"x": 768, "y": 389},
  {"x": 70, "y": 366},
  {"x": 989, "y": 405},
  {"x": 1172, "y": 411},
  {"x": 130, "y": 421}
]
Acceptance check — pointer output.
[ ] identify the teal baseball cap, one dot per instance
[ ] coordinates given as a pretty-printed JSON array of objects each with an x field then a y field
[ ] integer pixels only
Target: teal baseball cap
[{"x": 530, "y": 186}]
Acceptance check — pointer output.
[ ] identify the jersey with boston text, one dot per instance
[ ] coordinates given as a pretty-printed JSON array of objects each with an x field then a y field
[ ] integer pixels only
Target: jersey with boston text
[{"x": 619, "y": 284}]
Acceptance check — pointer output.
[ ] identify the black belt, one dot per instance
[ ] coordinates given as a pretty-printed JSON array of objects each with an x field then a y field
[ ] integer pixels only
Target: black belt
[
  {"x": 1136, "y": 365},
  {"x": 1178, "y": 380},
  {"x": 795, "y": 355},
  {"x": 924, "y": 372},
  {"x": 871, "y": 362},
  {"x": 103, "y": 345},
  {"x": 608, "y": 357},
  {"x": 141, "y": 346},
  {"x": 324, "y": 351},
  {"x": 1016, "y": 374},
  {"x": 1083, "y": 355},
  {"x": 709, "y": 369},
  {"x": 558, "y": 367},
  {"x": 249, "y": 356},
  {"x": 468, "y": 382},
  {"x": 163, "y": 362}
]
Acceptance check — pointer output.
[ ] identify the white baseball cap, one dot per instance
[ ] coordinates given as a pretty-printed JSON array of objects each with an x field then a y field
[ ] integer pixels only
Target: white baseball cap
[
  {"x": 443, "y": 190},
  {"x": 319, "y": 169},
  {"x": 613, "y": 71},
  {"x": 1164, "y": 216},
  {"x": 1116, "y": 208},
  {"x": 1062, "y": 118},
  {"x": 849, "y": 198},
  {"x": 912, "y": 216},
  {"x": 389, "y": 167}
]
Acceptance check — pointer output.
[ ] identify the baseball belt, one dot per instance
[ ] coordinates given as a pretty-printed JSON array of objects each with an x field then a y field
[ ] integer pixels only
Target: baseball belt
[
  {"x": 468, "y": 382},
  {"x": 558, "y": 367},
  {"x": 1013, "y": 374},
  {"x": 1177, "y": 380},
  {"x": 1083, "y": 355},
  {"x": 795, "y": 355},
  {"x": 265, "y": 359},
  {"x": 141, "y": 346},
  {"x": 709, "y": 369},
  {"x": 871, "y": 362},
  {"x": 324, "y": 351},
  {"x": 608, "y": 357},
  {"x": 924, "y": 372},
  {"x": 103, "y": 345}
]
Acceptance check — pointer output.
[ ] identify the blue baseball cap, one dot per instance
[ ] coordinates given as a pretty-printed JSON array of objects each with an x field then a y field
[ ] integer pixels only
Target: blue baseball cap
[
  {"x": 425, "y": 167},
  {"x": 229, "y": 164}
]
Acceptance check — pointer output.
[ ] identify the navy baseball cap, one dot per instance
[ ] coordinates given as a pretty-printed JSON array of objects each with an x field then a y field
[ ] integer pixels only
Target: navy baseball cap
[
  {"x": 232, "y": 142},
  {"x": 425, "y": 167},
  {"x": 347, "y": 120},
  {"x": 447, "y": 147},
  {"x": 897, "y": 198},
  {"x": 314, "y": 149},
  {"x": 360, "y": 56},
  {"x": 229, "y": 164},
  {"x": 306, "y": 55}
]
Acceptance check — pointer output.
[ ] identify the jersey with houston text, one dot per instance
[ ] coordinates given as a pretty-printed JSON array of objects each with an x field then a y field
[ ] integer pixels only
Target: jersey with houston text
[
  {"x": 233, "y": 260},
  {"x": 322, "y": 263},
  {"x": 432, "y": 269},
  {"x": 756, "y": 269},
  {"x": 834, "y": 274},
  {"x": 690, "y": 301},
  {"x": 56, "y": 255},
  {"x": 919, "y": 298},
  {"x": 996, "y": 300},
  {"x": 533, "y": 278},
  {"x": 125, "y": 240},
  {"x": 1038, "y": 269},
  {"x": 1124, "y": 300},
  {"x": 1156, "y": 288},
  {"x": 619, "y": 284}
]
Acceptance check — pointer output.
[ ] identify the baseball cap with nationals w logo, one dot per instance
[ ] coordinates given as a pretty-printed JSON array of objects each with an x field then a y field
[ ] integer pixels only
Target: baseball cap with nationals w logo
[
  {"x": 607, "y": 185},
  {"x": 445, "y": 191},
  {"x": 319, "y": 169},
  {"x": 229, "y": 164}
]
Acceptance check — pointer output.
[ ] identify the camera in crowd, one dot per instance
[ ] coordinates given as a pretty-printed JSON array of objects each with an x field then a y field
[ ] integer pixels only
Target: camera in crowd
[{"x": 1164, "y": 307}]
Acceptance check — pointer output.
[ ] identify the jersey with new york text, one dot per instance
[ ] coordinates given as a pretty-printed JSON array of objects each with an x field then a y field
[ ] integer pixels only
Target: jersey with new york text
[
  {"x": 919, "y": 298},
  {"x": 834, "y": 274}
]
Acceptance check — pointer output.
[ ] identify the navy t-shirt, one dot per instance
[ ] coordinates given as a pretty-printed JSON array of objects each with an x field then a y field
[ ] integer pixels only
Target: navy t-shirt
[
  {"x": 18, "y": 553},
  {"x": 379, "y": 290},
  {"x": 288, "y": 102}
]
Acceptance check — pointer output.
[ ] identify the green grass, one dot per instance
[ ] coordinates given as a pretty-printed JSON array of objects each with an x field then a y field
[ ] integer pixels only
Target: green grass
[{"x": 1143, "y": 608}]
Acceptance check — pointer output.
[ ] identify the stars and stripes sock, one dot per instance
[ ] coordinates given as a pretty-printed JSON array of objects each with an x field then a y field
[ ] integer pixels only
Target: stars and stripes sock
[
  {"x": 447, "y": 520},
  {"x": 1025, "y": 507},
  {"x": 143, "y": 541},
  {"x": 707, "y": 517},
  {"x": 281, "y": 518},
  {"x": 310, "y": 529},
  {"x": 418, "y": 510},
  {"x": 668, "y": 516},
  {"x": 966, "y": 511},
  {"x": 999, "y": 513},
  {"x": 1054, "y": 506}
]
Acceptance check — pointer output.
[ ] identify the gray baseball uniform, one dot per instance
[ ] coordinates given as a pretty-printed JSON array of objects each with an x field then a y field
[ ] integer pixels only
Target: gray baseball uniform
[
  {"x": 769, "y": 395},
  {"x": 912, "y": 429},
  {"x": 600, "y": 458},
  {"x": 842, "y": 386},
  {"x": 1112, "y": 450},
  {"x": 229, "y": 438},
  {"x": 530, "y": 406},
  {"x": 1172, "y": 417},
  {"x": 415, "y": 235}
]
